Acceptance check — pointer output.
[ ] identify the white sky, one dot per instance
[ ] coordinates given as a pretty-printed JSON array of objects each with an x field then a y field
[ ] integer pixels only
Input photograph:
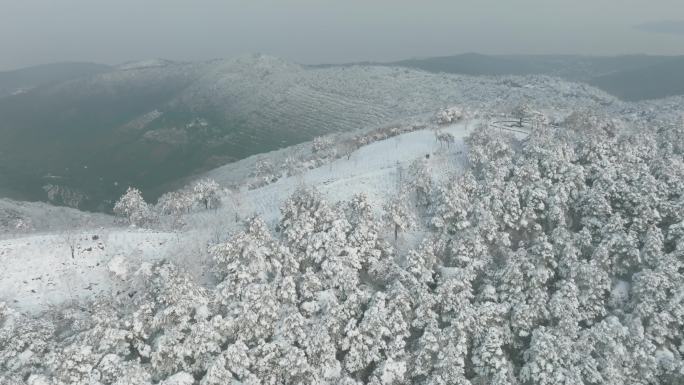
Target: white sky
[{"x": 324, "y": 31}]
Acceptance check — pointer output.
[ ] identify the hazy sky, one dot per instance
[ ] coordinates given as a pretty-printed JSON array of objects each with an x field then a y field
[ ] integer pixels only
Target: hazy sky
[{"x": 309, "y": 31}]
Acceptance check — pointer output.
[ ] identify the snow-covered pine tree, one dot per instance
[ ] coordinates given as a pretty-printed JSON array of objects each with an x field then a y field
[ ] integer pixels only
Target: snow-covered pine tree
[{"x": 398, "y": 214}]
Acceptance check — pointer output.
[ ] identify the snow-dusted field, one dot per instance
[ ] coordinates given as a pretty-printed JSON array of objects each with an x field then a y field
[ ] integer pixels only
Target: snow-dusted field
[
  {"x": 39, "y": 271},
  {"x": 18, "y": 217},
  {"x": 375, "y": 169}
]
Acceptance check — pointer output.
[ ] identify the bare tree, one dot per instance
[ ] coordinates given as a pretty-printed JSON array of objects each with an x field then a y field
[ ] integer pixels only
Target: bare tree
[
  {"x": 235, "y": 196},
  {"x": 348, "y": 146},
  {"x": 70, "y": 239},
  {"x": 445, "y": 138}
]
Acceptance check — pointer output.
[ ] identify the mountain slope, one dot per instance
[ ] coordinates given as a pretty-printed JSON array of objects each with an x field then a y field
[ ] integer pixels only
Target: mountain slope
[
  {"x": 474, "y": 64},
  {"x": 651, "y": 82},
  {"x": 148, "y": 124},
  {"x": 375, "y": 170},
  {"x": 630, "y": 77},
  {"x": 22, "y": 80},
  {"x": 66, "y": 133},
  {"x": 518, "y": 254}
]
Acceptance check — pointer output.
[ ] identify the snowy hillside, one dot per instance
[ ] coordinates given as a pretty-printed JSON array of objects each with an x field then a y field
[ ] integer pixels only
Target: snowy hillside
[
  {"x": 17, "y": 218},
  {"x": 374, "y": 169},
  {"x": 534, "y": 247}
]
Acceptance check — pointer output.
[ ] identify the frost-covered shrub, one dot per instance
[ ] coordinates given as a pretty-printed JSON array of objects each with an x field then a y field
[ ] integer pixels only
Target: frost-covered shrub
[
  {"x": 23, "y": 225},
  {"x": 293, "y": 166},
  {"x": 206, "y": 193},
  {"x": 321, "y": 145},
  {"x": 133, "y": 207},
  {"x": 264, "y": 173},
  {"x": 449, "y": 115},
  {"x": 175, "y": 203}
]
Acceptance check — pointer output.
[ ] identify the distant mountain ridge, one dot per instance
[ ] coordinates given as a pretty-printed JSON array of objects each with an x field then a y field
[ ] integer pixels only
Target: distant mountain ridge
[
  {"x": 658, "y": 80},
  {"x": 629, "y": 77},
  {"x": 22, "y": 80}
]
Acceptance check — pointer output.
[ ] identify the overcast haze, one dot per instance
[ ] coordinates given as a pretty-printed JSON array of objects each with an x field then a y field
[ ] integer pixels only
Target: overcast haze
[{"x": 307, "y": 31}]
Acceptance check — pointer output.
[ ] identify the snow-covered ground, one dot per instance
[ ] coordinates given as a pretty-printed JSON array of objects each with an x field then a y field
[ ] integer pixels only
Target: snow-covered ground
[
  {"x": 375, "y": 169},
  {"x": 20, "y": 218},
  {"x": 39, "y": 270}
]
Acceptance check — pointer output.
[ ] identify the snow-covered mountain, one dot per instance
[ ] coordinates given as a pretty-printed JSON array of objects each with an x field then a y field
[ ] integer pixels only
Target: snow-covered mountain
[
  {"x": 420, "y": 228},
  {"x": 537, "y": 247},
  {"x": 629, "y": 77}
]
